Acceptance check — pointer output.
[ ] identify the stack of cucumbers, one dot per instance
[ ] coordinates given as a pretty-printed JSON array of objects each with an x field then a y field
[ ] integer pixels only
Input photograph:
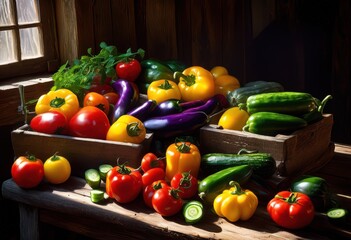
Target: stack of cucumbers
[{"x": 275, "y": 111}]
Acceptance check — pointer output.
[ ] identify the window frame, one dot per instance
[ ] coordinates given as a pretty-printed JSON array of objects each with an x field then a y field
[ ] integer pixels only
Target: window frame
[{"x": 49, "y": 62}]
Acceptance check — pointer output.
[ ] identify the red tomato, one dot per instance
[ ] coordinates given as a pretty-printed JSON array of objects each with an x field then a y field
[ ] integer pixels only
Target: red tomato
[
  {"x": 292, "y": 210},
  {"x": 153, "y": 175},
  {"x": 150, "y": 160},
  {"x": 112, "y": 97},
  {"x": 166, "y": 201},
  {"x": 101, "y": 88},
  {"x": 123, "y": 183},
  {"x": 186, "y": 183},
  {"x": 89, "y": 122},
  {"x": 128, "y": 70},
  {"x": 49, "y": 122},
  {"x": 96, "y": 100},
  {"x": 149, "y": 191},
  {"x": 27, "y": 171}
]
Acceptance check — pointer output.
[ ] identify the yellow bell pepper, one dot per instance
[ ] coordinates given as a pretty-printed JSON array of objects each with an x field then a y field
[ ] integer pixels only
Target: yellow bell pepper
[
  {"x": 235, "y": 203},
  {"x": 182, "y": 157},
  {"x": 61, "y": 100},
  {"x": 162, "y": 90},
  {"x": 195, "y": 83}
]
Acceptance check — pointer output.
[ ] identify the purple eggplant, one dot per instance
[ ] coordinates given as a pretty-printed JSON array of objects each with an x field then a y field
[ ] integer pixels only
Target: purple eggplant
[
  {"x": 167, "y": 107},
  {"x": 176, "y": 124},
  {"x": 144, "y": 110},
  {"x": 191, "y": 104},
  {"x": 127, "y": 98},
  {"x": 217, "y": 101}
]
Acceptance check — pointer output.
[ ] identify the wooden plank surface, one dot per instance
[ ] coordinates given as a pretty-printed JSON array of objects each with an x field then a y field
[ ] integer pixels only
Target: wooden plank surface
[{"x": 71, "y": 201}]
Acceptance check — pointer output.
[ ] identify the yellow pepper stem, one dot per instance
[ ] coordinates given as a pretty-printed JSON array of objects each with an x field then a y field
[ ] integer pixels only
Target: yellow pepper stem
[
  {"x": 189, "y": 80},
  {"x": 237, "y": 190}
]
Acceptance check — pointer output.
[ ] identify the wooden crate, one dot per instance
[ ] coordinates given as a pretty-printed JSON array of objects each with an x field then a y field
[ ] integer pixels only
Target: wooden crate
[
  {"x": 83, "y": 153},
  {"x": 304, "y": 151}
]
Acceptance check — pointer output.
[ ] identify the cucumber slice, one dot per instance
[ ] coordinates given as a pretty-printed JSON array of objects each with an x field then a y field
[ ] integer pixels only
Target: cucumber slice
[
  {"x": 337, "y": 215},
  {"x": 193, "y": 212},
  {"x": 92, "y": 177},
  {"x": 103, "y": 170},
  {"x": 97, "y": 195}
]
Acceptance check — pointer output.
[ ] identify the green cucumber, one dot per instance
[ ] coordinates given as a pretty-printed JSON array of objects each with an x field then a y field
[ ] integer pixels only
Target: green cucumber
[
  {"x": 214, "y": 184},
  {"x": 263, "y": 164},
  {"x": 292, "y": 103},
  {"x": 272, "y": 123},
  {"x": 92, "y": 177},
  {"x": 193, "y": 212},
  {"x": 103, "y": 170},
  {"x": 240, "y": 95},
  {"x": 97, "y": 195}
]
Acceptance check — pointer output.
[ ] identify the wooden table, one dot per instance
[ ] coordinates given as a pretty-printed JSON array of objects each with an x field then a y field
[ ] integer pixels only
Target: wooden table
[{"x": 68, "y": 206}]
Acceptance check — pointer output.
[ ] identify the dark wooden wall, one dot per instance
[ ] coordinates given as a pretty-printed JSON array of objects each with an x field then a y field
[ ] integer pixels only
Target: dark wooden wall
[{"x": 305, "y": 45}]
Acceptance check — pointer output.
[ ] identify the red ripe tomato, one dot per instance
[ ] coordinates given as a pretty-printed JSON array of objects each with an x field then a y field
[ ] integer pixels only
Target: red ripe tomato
[
  {"x": 186, "y": 183},
  {"x": 128, "y": 70},
  {"x": 96, "y": 100},
  {"x": 27, "y": 171},
  {"x": 149, "y": 191},
  {"x": 100, "y": 88},
  {"x": 49, "y": 122},
  {"x": 123, "y": 183},
  {"x": 112, "y": 97},
  {"x": 150, "y": 160},
  {"x": 89, "y": 122},
  {"x": 292, "y": 210},
  {"x": 167, "y": 202},
  {"x": 153, "y": 175}
]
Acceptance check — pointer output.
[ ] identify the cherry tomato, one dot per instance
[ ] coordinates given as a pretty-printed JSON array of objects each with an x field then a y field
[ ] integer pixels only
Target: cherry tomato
[
  {"x": 150, "y": 160},
  {"x": 123, "y": 183},
  {"x": 166, "y": 201},
  {"x": 128, "y": 70},
  {"x": 27, "y": 171},
  {"x": 96, "y": 100},
  {"x": 149, "y": 191},
  {"x": 186, "y": 184},
  {"x": 49, "y": 122},
  {"x": 57, "y": 169},
  {"x": 152, "y": 175},
  {"x": 89, "y": 122},
  {"x": 112, "y": 97},
  {"x": 292, "y": 210}
]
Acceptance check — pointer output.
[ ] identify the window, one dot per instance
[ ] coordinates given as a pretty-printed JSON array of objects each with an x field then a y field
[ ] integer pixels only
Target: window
[{"x": 27, "y": 37}]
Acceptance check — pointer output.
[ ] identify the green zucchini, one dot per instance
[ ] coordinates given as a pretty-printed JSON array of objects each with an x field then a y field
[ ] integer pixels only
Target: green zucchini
[
  {"x": 271, "y": 123},
  {"x": 263, "y": 164},
  {"x": 214, "y": 184},
  {"x": 241, "y": 94},
  {"x": 292, "y": 103}
]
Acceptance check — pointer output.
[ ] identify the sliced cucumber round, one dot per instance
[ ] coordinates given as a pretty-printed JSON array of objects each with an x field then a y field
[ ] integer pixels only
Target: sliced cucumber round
[
  {"x": 103, "y": 170},
  {"x": 337, "y": 215},
  {"x": 193, "y": 212},
  {"x": 92, "y": 177},
  {"x": 97, "y": 195}
]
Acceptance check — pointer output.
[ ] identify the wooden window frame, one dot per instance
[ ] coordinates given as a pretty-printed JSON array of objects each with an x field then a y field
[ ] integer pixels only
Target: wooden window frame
[{"x": 49, "y": 62}]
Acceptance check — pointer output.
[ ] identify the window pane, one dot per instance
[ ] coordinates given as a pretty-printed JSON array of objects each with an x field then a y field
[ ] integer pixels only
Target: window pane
[
  {"x": 31, "y": 43},
  {"x": 6, "y": 13},
  {"x": 7, "y": 47},
  {"x": 27, "y": 11}
]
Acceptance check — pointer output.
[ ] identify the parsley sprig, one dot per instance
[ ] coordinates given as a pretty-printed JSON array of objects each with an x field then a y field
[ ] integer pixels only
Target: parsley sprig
[{"x": 78, "y": 76}]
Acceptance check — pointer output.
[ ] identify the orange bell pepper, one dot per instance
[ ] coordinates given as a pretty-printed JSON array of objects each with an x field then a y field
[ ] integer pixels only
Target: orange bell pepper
[
  {"x": 182, "y": 157},
  {"x": 195, "y": 83}
]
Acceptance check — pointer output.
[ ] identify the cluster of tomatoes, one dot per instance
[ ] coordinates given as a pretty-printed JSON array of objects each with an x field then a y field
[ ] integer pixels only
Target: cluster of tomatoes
[
  {"x": 29, "y": 171},
  {"x": 124, "y": 184}
]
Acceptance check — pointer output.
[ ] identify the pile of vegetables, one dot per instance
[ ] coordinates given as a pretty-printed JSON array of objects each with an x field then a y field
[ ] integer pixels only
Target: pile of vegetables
[{"x": 99, "y": 97}]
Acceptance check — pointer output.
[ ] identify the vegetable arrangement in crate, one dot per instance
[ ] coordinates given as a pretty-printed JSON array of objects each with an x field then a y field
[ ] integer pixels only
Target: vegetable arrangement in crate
[{"x": 114, "y": 106}]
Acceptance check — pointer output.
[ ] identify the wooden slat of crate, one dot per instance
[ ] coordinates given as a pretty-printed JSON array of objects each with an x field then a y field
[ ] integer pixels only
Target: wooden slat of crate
[
  {"x": 291, "y": 152},
  {"x": 83, "y": 153}
]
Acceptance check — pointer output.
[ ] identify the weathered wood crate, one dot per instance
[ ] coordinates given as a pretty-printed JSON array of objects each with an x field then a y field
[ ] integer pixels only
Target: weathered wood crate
[
  {"x": 303, "y": 151},
  {"x": 83, "y": 153}
]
